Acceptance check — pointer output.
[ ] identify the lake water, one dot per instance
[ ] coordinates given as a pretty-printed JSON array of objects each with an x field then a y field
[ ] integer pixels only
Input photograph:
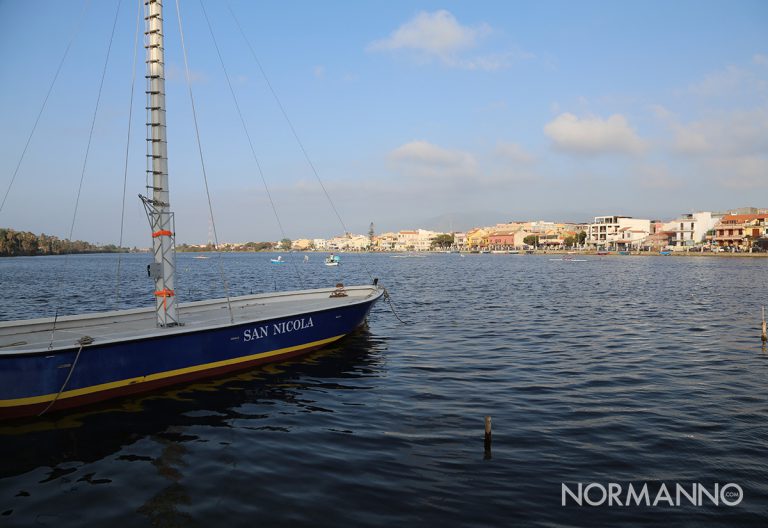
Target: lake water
[{"x": 615, "y": 370}]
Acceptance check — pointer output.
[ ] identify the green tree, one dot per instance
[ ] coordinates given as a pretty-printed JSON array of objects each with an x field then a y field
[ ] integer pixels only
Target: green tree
[
  {"x": 570, "y": 240},
  {"x": 582, "y": 236},
  {"x": 442, "y": 241},
  {"x": 285, "y": 244},
  {"x": 531, "y": 240}
]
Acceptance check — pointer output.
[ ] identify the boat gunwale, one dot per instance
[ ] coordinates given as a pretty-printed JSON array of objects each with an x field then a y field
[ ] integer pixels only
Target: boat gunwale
[{"x": 376, "y": 293}]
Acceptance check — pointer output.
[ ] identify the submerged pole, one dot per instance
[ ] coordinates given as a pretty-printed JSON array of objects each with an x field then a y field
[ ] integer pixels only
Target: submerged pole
[
  {"x": 488, "y": 437},
  {"x": 764, "y": 336}
]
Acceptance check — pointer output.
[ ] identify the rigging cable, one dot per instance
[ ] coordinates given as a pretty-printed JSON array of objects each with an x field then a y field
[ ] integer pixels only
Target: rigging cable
[
  {"x": 293, "y": 131},
  {"x": 248, "y": 136},
  {"x": 45, "y": 101},
  {"x": 127, "y": 149},
  {"x": 85, "y": 159},
  {"x": 202, "y": 163}
]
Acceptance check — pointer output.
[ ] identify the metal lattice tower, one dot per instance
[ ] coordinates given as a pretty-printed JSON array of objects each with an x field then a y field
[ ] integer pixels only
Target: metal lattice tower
[{"x": 161, "y": 220}]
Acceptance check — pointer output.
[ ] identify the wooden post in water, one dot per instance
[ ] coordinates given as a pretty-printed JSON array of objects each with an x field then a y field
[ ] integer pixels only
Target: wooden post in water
[
  {"x": 764, "y": 336},
  {"x": 488, "y": 436}
]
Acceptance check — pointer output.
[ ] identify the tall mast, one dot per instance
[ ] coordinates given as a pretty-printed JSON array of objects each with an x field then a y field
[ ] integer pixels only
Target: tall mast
[{"x": 163, "y": 269}]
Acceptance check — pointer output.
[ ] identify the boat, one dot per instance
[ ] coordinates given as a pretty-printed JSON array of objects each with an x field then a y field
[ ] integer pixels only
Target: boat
[
  {"x": 332, "y": 260},
  {"x": 200, "y": 257},
  {"x": 278, "y": 260},
  {"x": 55, "y": 363}
]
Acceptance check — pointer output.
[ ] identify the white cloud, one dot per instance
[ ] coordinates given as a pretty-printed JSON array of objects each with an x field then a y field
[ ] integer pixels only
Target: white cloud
[
  {"x": 658, "y": 177},
  {"x": 593, "y": 135},
  {"x": 723, "y": 134},
  {"x": 514, "y": 152},
  {"x": 437, "y": 33},
  {"x": 742, "y": 172},
  {"x": 319, "y": 71},
  {"x": 729, "y": 81},
  {"x": 422, "y": 158},
  {"x": 440, "y": 36},
  {"x": 760, "y": 59}
]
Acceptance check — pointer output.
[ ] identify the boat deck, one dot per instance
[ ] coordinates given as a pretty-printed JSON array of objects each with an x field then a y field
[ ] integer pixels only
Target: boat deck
[{"x": 34, "y": 335}]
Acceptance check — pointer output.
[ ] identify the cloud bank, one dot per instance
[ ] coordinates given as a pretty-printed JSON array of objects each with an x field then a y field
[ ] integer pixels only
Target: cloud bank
[{"x": 593, "y": 135}]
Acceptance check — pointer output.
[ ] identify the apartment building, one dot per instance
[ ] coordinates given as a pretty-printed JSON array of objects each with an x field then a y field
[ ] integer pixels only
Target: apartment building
[
  {"x": 741, "y": 230},
  {"x": 617, "y": 231},
  {"x": 415, "y": 240},
  {"x": 691, "y": 229}
]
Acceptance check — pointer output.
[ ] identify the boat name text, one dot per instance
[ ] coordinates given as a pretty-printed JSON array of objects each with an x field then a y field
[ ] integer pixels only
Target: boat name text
[{"x": 283, "y": 327}]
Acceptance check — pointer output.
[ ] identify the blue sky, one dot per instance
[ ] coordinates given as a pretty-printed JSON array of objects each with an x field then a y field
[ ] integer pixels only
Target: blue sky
[{"x": 415, "y": 114}]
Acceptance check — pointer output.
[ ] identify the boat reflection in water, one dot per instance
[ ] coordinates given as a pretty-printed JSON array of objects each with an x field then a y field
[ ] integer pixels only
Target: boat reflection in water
[{"x": 255, "y": 399}]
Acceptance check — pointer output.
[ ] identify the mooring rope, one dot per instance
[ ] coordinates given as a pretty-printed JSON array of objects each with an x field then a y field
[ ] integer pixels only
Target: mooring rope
[
  {"x": 388, "y": 298},
  {"x": 85, "y": 340}
]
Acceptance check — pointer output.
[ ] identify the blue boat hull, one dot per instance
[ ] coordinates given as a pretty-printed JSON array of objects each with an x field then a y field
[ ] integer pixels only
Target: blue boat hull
[{"x": 30, "y": 382}]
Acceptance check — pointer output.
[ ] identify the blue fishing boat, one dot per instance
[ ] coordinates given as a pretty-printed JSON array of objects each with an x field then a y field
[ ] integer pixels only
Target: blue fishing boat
[{"x": 61, "y": 362}]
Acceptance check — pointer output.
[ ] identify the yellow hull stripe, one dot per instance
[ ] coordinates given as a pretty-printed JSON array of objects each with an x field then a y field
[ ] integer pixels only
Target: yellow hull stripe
[{"x": 162, "y": 375}]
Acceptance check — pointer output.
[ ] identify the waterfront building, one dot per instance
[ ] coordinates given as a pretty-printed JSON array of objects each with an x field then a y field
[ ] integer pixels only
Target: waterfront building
[
  {"x": 620, "y": 232},
  {"x": 459, "y": 240},
  {"x": 386, "y": 241},
  {"x": 320, "y": 244},
  {"x": 691, "y": 229},
  {"x": 302, "y": 244},
  {"x": 741, "y": 230},
  {"x": 502, "y": 239},
  {"x": 477, "y": 238},
  {"x": 415, "y": 240}
]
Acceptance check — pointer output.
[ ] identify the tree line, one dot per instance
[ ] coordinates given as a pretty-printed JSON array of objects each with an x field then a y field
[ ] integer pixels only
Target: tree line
[
  {"x": 23, "y": 243},
  {"x": 249, "y": 246}
]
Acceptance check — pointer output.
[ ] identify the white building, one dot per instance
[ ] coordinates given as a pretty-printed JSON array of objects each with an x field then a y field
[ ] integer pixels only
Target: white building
[
  {"x": 617, "y": 231},
  {"x": 320, "y": 244},
  {"x": 386, "y": 241},
  {"x": 415, "y": 240},
  {"x": 691, "y": 229}
]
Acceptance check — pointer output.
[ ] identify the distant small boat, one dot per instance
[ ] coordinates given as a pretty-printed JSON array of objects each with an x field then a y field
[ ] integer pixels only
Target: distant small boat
[
  {"x": 624, "y": 253},
  {"x": 332, "y": 260},
  {"x": 278, "y": 260},
  {"x": 665, "y": 252},
  {"x": 200, "y": 257},
  {"x": 603, "y": 253},
  {"x": 569, "y": 259}
]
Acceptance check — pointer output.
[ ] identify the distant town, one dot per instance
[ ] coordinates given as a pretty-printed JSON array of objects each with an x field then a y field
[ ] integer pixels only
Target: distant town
[
  {"x": 743, "y": 230},
  {"x": 737, "y": 230}
]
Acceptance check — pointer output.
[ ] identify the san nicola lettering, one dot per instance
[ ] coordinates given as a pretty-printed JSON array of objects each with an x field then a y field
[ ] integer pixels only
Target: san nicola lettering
[{"x": 281, "y": 327}]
